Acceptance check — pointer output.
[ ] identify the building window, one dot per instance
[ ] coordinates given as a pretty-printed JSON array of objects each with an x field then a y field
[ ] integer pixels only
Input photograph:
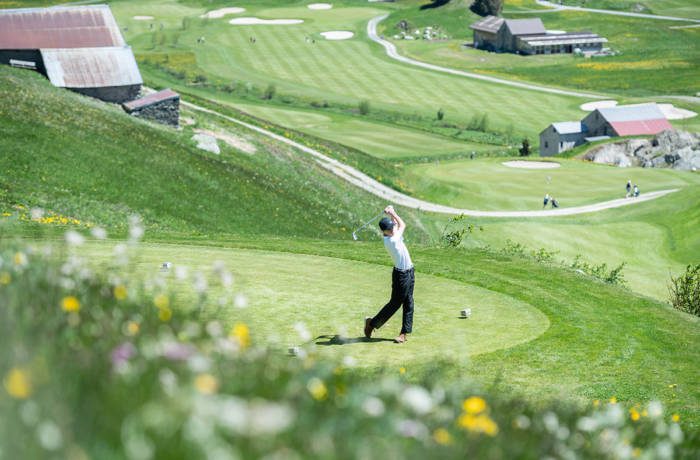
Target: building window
[
  {"x": 561, "y": 145},
  {"x": 546, "y": 144}
]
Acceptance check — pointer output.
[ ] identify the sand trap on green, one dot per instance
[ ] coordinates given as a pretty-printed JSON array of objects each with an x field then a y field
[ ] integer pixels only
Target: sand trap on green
[{"x": 331, "y": 297}]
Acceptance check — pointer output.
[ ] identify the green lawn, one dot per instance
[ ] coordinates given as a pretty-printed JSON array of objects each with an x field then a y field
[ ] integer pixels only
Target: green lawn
[
  {"x": 654, "y": 58},
  {"x": 338, "y": 71},
  {"x": 679, "y": 8},
  {"x": 380, "y": 140},
  {"x": 487, "y": 184}
]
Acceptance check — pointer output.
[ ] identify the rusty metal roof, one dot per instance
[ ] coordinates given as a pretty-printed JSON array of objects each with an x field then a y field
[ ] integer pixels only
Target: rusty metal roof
[
  {"x": 91, "y": 67},
  {"x": 525, "y": 26},
  {"x": 151, "y": 99},
  {"x": 489, "y": 24},
  {"x": 59, "y": 27}
]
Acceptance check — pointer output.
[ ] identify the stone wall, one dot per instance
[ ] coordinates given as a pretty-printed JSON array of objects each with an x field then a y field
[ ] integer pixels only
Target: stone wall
[
  {"x": 166, "y": 112},
  {"x": 116, "y": 94}
]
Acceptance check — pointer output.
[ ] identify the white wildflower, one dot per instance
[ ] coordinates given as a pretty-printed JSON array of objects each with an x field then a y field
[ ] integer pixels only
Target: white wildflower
[
  {"x": 200, "y": 283},
  {"x": 214, "y": 328},
  {"x": 412, "y": 429},
  {"x": 136, "y": 230},
  {"x": 49, "y": 435},
  {"x": 417, "y": 399},
  {"x": 267, "y": 418},
  {"x": 240, "y": 301},
  {"x": 181, "y": 272},
  {"x": 551, "y": 422},
  {"x": 349, "y": 361},
  {"x": 374, "y": 407},
  {"x": 303, "y": 332},
  {"x": 98, "y": 233},
  {"x": 587, "y": 424},
  {"x": 664, "y": 450},
  {"x": 675, "y": 434},
  {"x": 655, "y": 409},
  {"x": 36, "y": 213},
  {"x": 74, "y": 238},
  {"x": 522, "y": 422}
]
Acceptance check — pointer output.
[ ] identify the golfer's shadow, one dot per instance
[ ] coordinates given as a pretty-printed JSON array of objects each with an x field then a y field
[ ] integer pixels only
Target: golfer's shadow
[{"x": 336, "y": 339}]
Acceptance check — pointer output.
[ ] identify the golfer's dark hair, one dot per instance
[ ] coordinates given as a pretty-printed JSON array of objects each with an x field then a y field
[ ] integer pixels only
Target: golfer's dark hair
[{"x": 386, "y": 224}]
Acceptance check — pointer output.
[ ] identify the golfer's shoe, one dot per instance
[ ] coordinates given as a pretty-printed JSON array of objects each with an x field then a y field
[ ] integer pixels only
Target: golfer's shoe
[
  {"x": 400, "y": 339},
  {"x": 368, "y": 327}
]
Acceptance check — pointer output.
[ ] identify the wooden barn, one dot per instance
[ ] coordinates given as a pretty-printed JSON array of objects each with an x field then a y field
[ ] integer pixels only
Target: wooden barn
[
  {"x": 560, "y": 137},
  {"x": 528, "y": 36},
  {"x": 76, "y": 47}
]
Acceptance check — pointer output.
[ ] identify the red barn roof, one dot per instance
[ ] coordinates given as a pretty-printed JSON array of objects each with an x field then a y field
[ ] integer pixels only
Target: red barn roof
[
  {"x": 91, "y": 67},
  {"x": 639, "y": 127},
  {"x": 59, "y": 27}
]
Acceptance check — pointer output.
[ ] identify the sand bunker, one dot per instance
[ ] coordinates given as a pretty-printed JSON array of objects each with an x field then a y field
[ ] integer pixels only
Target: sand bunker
[
  {"x": 320, "y": 6},
  {"x": 258, "y": 21},
  {"x": 337, "y": 35},
  {"x": 220, "y": 13},
  {"x": 674, "y": 113},
  {"x": 589, "y": 106},
  {"x": 531, "y": 164},
  {"x": 144, "y": 18}
]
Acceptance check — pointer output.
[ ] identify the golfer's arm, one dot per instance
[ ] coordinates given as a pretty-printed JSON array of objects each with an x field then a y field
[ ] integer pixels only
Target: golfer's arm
[{"x": 399, "y": 223}]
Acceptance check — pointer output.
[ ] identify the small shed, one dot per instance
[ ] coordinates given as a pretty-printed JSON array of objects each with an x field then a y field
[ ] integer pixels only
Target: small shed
[
  {"x": 162, "y": 107},
  {"x": 560, "y": 137}
]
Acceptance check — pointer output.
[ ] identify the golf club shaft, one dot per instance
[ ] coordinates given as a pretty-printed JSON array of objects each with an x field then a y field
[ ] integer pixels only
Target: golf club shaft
[{"x": 369, "y": 221}]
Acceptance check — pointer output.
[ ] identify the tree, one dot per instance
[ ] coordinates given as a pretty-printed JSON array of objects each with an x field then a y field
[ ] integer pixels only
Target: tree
[
  {"x": 440, "y": 114},
  {"x": 363, "y": 106},
  {"x": 487, "y": 7},
  {"x": 525, "y": 149}
]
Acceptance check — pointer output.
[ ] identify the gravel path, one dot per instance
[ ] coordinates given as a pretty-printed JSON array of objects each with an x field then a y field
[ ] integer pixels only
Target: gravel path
[
  {"x": 394, "y": 54},
  {"x": 558, "y": 7},
  {"x": 370, "y": 185}
]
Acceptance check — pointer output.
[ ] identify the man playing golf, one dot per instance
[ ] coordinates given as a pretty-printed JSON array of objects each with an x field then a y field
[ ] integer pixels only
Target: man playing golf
[{"x": 402, "y": 279}]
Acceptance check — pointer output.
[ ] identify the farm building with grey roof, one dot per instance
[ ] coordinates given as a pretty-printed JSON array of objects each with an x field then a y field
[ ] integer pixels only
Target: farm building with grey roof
[
  {"x": 77, "y": 47},
  {"x": 529, "y": 36}
]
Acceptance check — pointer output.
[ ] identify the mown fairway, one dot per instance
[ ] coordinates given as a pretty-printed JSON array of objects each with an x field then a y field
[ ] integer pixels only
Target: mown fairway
[
  {"x": 380, "y": 140},
  {"x": 489, "y": 185},
  {"x": 344, "y": 71}
]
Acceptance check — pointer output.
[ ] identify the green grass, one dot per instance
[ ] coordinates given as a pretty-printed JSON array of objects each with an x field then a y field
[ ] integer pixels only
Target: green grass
[
  {"x": 341, "y": 72},
  {"x": 679, "y": 8},
  {"x": 654, "y": 59},
  {"x": 380, "y": 140},
  {"x": 487, "y": 184}
]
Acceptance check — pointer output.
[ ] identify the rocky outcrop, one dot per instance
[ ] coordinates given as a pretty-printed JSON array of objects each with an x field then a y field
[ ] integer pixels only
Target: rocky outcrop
[{"x": 669, "y": 149}]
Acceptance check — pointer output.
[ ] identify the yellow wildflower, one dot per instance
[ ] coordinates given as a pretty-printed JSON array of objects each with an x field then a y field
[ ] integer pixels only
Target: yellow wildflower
[
  {"x": 596, "y": 402},
  {"x": 5, "y": 278},
  {"x": 613, "y": 400},
  {"x": 673, "y": 385},
  {"x": 20, "y": 259},
  {"x": 70, "y": 304},
  {"x": 120, "y": 292},
  {"x": 645, "y": 413},
  {"x": 317, "y": 389},
  {"x": 478, "y": 424},
  {"x": 162, "y": 301},
  {"x": 164, "y": 314},
  {"x": 402, "y": 370},
  {"x": 442, "y": 436},
  {"x": 474, "y": 405},
  {"x": 133, "y": 328},
  {"x": 206, "y": 384},
  {"x": 241, "y": 333},
  {"x": 634, "y": 414},
  {"x": 17, "y": 383},
  {"x": 676, "y": 418},
  {"x": 636, "y": 452}
]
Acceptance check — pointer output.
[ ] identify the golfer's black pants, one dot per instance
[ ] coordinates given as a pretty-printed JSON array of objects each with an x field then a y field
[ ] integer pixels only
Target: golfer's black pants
[{"x": 402, "y": 282}]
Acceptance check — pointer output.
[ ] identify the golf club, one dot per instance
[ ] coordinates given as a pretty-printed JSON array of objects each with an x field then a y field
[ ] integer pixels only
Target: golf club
[{"x": 354, "y": 234}]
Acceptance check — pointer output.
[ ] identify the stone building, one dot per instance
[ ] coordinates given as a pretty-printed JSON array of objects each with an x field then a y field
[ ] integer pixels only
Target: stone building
[
  {"x": 162, "y": 107},
  {"x": 76, "y": 47},
  {"x": 528, "y": 36}
]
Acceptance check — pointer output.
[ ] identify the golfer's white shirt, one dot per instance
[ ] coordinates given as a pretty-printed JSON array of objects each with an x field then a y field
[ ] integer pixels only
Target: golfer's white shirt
[{"x": 398, "y": 251}]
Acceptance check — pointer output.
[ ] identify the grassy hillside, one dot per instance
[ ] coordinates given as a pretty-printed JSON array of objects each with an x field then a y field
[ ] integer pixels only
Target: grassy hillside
[{"x": 81, "y": 158}]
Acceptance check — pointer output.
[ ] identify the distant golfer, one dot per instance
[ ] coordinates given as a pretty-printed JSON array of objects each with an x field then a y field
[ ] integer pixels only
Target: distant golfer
[
  {"x": 628, "y": 187},
  {"x": 555, "y": 203},
  {"x": 545, "y": 201},
  {"x": 402, "y": 278},
  {"x": 635, "y": 191}
]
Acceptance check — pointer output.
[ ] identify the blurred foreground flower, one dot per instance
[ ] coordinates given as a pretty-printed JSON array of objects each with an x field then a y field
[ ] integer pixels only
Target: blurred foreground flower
[
  {"x": 317, "y": 389},
  {"x": 442, "y": 436},
  {"x": 17, "y": 383},
  {"x": 70, "y": 304},
  {"x": 241, "y": 333},
  {"x": 206, "y": 384},
  {"x": 474, "y": 405}
]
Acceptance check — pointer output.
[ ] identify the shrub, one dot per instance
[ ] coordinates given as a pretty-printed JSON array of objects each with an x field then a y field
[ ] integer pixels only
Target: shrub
[
  {"x": 513, "y": 248},
  {"x": 440, "y": 114},
  {"x": 269, "y": 92},
  {"x": 363, "y": 107},
  {"x": 685, "y": 290},
  {"x": 525, "y": 149},
  {"x": 454, "y": 237},
  {"x": 614, "y": 276}
]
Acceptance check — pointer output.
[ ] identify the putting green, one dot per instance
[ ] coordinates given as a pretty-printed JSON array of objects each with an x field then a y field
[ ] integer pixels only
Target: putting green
[{"x": 331, "y": 297}]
